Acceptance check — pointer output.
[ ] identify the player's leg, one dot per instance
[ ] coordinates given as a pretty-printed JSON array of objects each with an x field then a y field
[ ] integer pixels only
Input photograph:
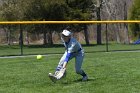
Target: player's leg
[{"x": 78, "y": 65}]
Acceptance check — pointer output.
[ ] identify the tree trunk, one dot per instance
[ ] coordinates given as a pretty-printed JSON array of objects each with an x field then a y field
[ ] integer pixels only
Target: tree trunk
[
  {"x": 86, "y": 35},
  {"x": 50, "y": 41},
  {"x": 21, "y": 37},
  {"x": 117, "y": 32},
  {"x": 125, "y": 25},
  {"x": 126, "y": 34},
  {"x": 99, "y": 41},
  {"x": 9, "y": 35},
  {"x": 45, "y": 38},
  {"x": 44, "y": 35}
]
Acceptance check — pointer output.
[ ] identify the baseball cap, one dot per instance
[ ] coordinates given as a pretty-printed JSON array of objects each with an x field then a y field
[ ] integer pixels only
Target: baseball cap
[{"x": 66, "y": 33}]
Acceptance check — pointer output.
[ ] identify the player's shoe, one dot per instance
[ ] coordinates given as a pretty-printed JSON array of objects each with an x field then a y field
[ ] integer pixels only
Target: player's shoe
[
  {"x": 52, "y": 77},
  {"x": 85, "y": 78}
]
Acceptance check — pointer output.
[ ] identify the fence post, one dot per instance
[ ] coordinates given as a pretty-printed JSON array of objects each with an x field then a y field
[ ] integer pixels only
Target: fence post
[
  {"x": 21, "y": 39},
  {"x": 106, "y": 38}
]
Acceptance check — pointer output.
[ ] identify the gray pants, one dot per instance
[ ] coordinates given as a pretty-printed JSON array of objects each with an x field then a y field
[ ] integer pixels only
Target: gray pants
[{"x": 79, "y": 56}]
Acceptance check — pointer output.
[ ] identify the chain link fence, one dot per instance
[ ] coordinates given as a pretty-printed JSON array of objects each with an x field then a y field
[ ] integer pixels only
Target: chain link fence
[{"x": 23, "y": 38}]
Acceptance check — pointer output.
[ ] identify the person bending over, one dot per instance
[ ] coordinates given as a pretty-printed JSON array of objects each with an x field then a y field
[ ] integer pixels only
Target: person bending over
[{"x": 73, "y": 49}]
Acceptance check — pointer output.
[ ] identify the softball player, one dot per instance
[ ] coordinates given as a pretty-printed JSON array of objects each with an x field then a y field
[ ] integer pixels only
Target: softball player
[{"x": 73, "y": 50}]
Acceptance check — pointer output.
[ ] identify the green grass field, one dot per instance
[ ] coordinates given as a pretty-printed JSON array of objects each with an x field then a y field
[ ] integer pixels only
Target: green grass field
[
  {"x": 6, "y": 50},
  {"x": 109, "y": 72}
]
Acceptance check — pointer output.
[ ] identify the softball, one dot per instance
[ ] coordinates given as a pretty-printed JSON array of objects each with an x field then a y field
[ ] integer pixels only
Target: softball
[{"x": 39, "y": 57}]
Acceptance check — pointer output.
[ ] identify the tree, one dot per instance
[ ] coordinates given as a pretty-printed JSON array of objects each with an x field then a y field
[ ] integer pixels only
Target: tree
[
  {"x": 9, "y": 12},
  {"x": 113, "y": 10},
  {"x": 118, "y": 10},
  {"x": 80, "y": 10},
  {"x": 48, "y": 10},
  {"x": 135, "y": 15},
  {"x": 98, "y": 15},
  {"x": 54, "y": 10}
]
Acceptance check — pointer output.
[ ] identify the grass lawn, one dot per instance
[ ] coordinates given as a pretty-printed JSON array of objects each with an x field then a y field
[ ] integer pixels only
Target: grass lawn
[{"x": 112, "y": 72}]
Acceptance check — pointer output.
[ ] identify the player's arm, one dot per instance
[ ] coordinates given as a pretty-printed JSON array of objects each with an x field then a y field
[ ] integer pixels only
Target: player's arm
[
  {"x": 67, "y": 59},
  {"x": 65, "y": 64},
  {"x": 69, "y": 54},
  {"x": 63, "y": 69}
]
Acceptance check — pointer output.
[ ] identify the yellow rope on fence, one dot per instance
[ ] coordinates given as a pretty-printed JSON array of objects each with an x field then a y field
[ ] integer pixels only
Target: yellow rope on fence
[{"x": 69, "y": 22}]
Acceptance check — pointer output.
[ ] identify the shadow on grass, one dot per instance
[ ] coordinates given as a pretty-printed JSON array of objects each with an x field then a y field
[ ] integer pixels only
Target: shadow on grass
[
  {"x": 55, "y": 45},
  {"x": 59, "y": 45},
  {"x": 80, "y": 80},
  {"x": 65, "y": 82},
  {"x": 45, "y": 46}
]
